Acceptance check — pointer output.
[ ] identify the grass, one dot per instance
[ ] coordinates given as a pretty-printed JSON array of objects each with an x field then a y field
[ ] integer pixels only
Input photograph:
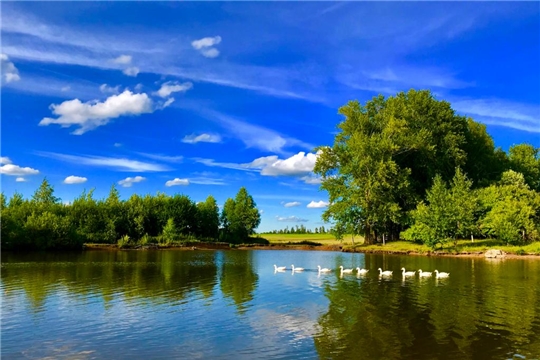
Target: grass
[
  {"x": 463, "y": 246},
  {"x": 322, "y": 239}
]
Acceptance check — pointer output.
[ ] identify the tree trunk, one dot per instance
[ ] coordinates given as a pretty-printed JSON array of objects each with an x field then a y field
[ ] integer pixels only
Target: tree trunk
[{"x": 368, "y": 240}]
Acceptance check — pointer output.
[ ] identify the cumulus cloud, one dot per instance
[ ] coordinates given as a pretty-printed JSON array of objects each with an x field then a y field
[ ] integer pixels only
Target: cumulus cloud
[
  {"x": 9, "y": 71},
  {"x": 75, "y": 180},
  {"x": 106, "y": 89},
  {"x": 290, "y": 219},
  {"x": 20, "y": 179},
  {"x": 193, "y": 139},
  {"x": 173, "y": 86},
  {"x": 123, "y": 59},
  {"x": 93, "y": 114},
  {"x": 177, "y": 182},
  {"x": 16, "y": 170},
  {"x": 317, "y": 204},
  {"x": 5, "y": 160},
  {"x": 205, "y": 46},
  {"x": 131, "y": 71},
  {"x": 292, "y": 204},
  {"x": 127, "y": 182}
]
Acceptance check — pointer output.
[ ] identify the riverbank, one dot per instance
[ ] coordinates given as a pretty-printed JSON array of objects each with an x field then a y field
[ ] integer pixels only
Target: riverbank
[{"x": 464, "y": 249}]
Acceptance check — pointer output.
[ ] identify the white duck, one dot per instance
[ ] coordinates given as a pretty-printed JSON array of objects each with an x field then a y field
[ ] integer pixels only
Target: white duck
[
  {"x": 385, "y": 273},
  {"x": 296, "y": 268},
  {"x": 279, "y": 268},
  {"x": 324, "y": 270},
  {"x": 361, "y": 271},
  {"x": 407, "y": 273},
  {"x": 441, "y": 274},
  {"x": 424, "y": 273},
  {"x": 345, "y": 271}
]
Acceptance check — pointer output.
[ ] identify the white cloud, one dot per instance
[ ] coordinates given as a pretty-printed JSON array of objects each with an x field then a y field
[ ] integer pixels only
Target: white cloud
[
  {"x": 210, "y": 138},
  {"x": 210, "y": 53},
  {"x": 127, "y": 182},
  {"x": 177, "y": 182},
  {"x": 131, "y": 71},
  {"x": 173, "y": 86},
  {"x": 253, "y": 136},
  {"x": 205, "y": 42},
  {"x": 5, "y": 160},
  {"x": 206, "y": 181},
  {"x": 298, "y": 164},
  {"x": 122, "y": 59},
  {"x": 312, "y": 180},
  {"x": 167, "y": 158},
  {"x": 93, "y": 114},
  {"x": 16, "y": 170},
  {"x": 204, "y": 46},
  {"x": 290, "y": 219},
  {"x": 117, "y": 144},
  {"x": 75, "y": 180},
  {"x": 317, "y": 205},
  {"x": 120, "y": 164},
  {"x": 501, "y": 113},
  {"x": 65, "y": 88},
  {"x": 106, "y": 89},
  {"x": 9, "y": 71},
  {"x": 292, "y": 204},
  {"x": 20, "y": 179}
]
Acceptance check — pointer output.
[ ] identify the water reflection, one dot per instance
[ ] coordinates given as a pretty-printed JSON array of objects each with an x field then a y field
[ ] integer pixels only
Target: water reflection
[{"x": 231, "y": 304}]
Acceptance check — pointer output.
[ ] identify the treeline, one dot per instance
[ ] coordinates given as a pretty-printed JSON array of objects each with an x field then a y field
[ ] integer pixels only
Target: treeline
[
  {"x": 408, "y": 166},
  {"x": 43, "y": 222},
  {"x": 300, "y": 229}
]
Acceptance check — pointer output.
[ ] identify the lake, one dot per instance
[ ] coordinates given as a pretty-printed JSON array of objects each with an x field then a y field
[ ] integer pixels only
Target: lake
[{"x": 232, "y": 305}]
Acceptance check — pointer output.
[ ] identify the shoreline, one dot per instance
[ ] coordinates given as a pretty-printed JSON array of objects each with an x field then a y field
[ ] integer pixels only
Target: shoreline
[{"x": 303, "y": 247}]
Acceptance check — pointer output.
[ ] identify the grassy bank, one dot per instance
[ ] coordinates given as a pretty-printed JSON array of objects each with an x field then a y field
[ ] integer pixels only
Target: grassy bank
[{"x": 463, "y": 247}]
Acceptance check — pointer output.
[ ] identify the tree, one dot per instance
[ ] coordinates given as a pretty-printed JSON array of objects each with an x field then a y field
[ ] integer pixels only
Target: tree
[
  {"x": 45, "y": 194},
  {"x": 240, "y": 217},
  {"x": 208, "y": 218},
  {"x": 385, "y": 155},
  {"x": 448, "y": 215},
  {"x": 525, "y": 159}
]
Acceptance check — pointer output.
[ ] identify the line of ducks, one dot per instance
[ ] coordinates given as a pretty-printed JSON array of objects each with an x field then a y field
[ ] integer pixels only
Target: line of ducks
[{"x": 359, "y": 271}]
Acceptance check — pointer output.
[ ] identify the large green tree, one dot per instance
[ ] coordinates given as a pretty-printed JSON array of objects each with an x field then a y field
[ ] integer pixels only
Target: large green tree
[
  {"x": 387, "y": 154},
  {"x": 240, "y": 217}
]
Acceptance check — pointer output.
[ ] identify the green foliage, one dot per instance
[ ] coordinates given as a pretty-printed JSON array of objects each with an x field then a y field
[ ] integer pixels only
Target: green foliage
[
  {"x": 169, "y": 233},
  {"x": 525, "y": 159},
  {"x": 124, "y": 242},
  {"x": 510, "y": 210},
  {"x": 449, "y": 214},
  {"x": 239, "y": 218}
]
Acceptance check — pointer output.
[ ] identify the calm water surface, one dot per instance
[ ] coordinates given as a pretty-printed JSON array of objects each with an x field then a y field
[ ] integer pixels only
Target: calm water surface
[{"x": 231, "y": 304}]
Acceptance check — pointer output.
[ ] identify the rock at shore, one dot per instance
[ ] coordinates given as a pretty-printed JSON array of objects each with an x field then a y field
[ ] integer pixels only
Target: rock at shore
[{"x": 495, "y": 254}]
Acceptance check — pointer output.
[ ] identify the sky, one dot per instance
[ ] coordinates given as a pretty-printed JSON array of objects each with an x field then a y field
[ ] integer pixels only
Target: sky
[{"x": 201, "y": 98}]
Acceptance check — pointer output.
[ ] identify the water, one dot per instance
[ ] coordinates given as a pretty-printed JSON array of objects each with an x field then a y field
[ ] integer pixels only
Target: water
[{"x": 231, "y": 304}]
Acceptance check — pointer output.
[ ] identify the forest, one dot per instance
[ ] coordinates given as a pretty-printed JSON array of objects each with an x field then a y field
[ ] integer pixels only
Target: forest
[
  {"x": 403, "y": 167},
  {"x": 43, "y": 222},
  {"x": 408, "y": 167}
]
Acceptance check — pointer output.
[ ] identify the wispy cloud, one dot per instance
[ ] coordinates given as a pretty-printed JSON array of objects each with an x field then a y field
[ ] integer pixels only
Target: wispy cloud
[
  {"x": 209, "y": 138},
  {"x": 117, "y": 164},
  {"x": 173, "y": 86},
  {"x": 122, "y": 59},
  {"x": 292, "y": 204},
  {"x": 177, "y": 182},
  {"x": 290, "y": 219},
  {"x": 206, "y": 181},
  {"x": 501, "y": 113},
  {"x": 129, "y": 181},
  {"x": 166, "y": 158}
]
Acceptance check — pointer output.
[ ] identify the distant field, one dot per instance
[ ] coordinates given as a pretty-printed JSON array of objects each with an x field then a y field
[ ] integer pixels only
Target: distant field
[{"x": 325, "y": 239}]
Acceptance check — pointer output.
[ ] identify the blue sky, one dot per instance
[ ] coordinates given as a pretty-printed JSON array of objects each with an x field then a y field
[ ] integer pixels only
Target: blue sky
[{"x": 202, "y": 98}]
